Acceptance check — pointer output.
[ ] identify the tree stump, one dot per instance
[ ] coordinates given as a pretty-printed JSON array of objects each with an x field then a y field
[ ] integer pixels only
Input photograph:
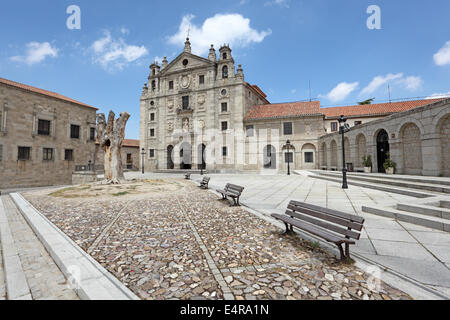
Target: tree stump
[{"x": 110, "y": 136}]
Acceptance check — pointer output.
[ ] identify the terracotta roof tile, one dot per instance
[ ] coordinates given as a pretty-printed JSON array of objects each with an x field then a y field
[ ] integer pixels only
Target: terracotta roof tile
[
  {"x": 375, "y": 109},
  {"x": 43, "y": 92},
  {"x": 130, "y": 143},
  {"x": 283, "y": 110}
]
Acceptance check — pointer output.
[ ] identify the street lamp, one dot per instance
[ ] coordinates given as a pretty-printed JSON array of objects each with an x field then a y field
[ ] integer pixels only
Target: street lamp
[
  {"x": 342, "y": 129},
  {"x": 288, "y": 147},
  {"x": 143, "y": 159}
]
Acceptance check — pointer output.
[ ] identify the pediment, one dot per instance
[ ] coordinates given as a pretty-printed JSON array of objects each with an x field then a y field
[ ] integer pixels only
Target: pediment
[{"x": 194, "y": 62}]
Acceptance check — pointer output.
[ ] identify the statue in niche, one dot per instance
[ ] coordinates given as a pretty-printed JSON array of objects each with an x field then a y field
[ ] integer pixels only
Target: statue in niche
[{"x": 185, "y": 124}]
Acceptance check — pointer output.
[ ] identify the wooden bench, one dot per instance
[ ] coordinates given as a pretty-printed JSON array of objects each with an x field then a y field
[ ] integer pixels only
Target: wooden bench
[
  {"x": 333, "y": 226},
  {"x": 204, "y": 183},
  {"x": 233, "y": 191},
  {"x": 187, "y": 176}
]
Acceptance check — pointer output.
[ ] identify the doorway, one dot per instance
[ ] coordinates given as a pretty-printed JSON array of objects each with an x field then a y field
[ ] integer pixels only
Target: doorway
[
  {"x": 170, "y": 164},
  {"x": 270, "y": 157},
  {"x": 382, "y": 149},
  {"x": 201, "y": 157}
]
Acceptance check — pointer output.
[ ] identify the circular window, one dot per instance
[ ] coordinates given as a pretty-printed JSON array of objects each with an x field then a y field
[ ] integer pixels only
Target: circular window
[
  {"x": 224, "y": 92},
  {"x": 185, "y": 62},
  {"x": 152, "y": 103}
]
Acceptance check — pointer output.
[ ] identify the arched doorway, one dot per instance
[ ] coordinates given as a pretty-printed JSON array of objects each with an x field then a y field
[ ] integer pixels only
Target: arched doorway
[
  {"x": 170, "y": 164},
  {"x": 382, "y": 149},
  {"x": 201, "y": 157},
  {"x": 270, "y": 157},
  {"x": 186, "y": 156},
  {"x": 445, "y": 146},
  {"x": 309, "y": 156},
  {"x": 412, "y": 149}
]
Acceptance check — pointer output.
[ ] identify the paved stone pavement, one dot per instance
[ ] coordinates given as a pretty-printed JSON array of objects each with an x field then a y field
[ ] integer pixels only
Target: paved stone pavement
[
  {"x": 416, "y": 252},
  {"x": 45, "y": 280}
]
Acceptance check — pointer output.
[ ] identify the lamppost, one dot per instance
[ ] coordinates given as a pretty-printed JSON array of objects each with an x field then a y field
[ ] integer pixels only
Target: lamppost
[
  {"x": 288, "y": 147},
  {"x": 143, "y": 159},
  {"x": 342, "y": 120}
]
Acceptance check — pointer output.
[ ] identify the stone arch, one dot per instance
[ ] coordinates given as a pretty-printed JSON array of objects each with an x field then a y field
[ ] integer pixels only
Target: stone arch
[
  {"x": 186, "y": 156},
  {"x": 334, "y": 154},
  {"x": 323, "y": 155},
  {"x": 381, "y": 139},
  {"x": 270, "y": 157},
  {"x": 361, "y": 149},
  {"x": 412, "y": 148},
  {"x": 404, "y": 122},
  {"x": 309, "y": 156},
  {"x": 444, "y": 131}
]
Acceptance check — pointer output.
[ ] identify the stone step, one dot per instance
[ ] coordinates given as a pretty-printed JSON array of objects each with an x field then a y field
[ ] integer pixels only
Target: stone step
[
  {"x": 428, "y": 210},
  {"x": 404, "y": 191},
  {"x": 389, "y": 181},
  {"x": 421, "y": 179},
  {"x": 410, "y": 217}
]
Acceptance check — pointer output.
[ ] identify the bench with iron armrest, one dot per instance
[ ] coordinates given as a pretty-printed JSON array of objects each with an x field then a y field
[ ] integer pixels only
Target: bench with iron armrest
[
  {"x": 187, "y": 176},
  {"x": 205, "y": 182},
  {"x": 233, "y": 191},
  {"x": 331, "y": 225}
]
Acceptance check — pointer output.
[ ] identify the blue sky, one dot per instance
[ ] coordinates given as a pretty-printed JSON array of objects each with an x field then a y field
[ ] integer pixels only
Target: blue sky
[{"x": 282, "y": 45}]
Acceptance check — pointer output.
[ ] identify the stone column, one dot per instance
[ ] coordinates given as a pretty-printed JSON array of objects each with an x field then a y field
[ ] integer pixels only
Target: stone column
[{"x": 396, "y": 152}]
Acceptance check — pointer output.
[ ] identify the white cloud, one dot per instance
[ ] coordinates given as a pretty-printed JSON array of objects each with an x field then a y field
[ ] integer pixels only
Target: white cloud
[
  {"x": 232, "y": 29},
  {"x": 378, "y": 82},
  {"x": 439, "y": 95},
  {"x": 37, "y": 52},
  {"x": 442, "y": 57},
  {"x": 281, "y": 3},
  {"x": 412, "y": 83},
  {"x": 341, "y": 91},
  {"x": 113, "y": 53}
]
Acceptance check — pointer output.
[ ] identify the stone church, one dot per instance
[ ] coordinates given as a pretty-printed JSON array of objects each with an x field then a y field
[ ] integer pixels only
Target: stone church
[{"x": 200, "y": 113}]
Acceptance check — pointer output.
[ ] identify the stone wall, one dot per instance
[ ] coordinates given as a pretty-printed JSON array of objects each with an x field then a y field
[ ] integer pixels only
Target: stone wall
[
  {"x": 20, "y": 112},
  {"x": 418, "y": 142}
]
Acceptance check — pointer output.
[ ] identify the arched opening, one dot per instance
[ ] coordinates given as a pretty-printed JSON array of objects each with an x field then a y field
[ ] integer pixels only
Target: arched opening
[
  {"x": 225, "y": 56},
  {"x": 186, "y": 156},
  {"x": 270, "y": 157},
  {"x": 201, "y": 157},
  {"x": 309, "y": 156},
  {"x": 334, "y": 154},
  {"x": 323, "y": 160},
  {"x": 170, "y": 164},
  {"x": 361, "y": 150},
  {"x": 348, "y": 152},
  {"x": 445, "y": 146},
  {"x": 412, "y": 149},
  {"x": 382, "y": 149},
  {"x": 225, "y": 72}
]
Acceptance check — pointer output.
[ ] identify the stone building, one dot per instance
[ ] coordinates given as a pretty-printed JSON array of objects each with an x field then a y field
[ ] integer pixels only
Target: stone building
[
  {"x": 43, "y": 136},
  {"x": 201, "y": 113},
  {"x": 417, "y": 140}
]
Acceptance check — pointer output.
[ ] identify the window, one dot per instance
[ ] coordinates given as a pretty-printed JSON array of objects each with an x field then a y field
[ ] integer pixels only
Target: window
[
  {"x": 334, "y": 126},
  {"x": 224, "y": 151},
  {"x": 225, "y": 72},
  {"x": 152, "y": 117},
  {"x": 152, "y": 132},
  {"x": 224, "y": 107},
  {"x": 151, "y": 153},
  {"x": 153, "y": 85},
  {"x": 224, "y": 125},
  {"x": 44, "y": 127},
  {"x": 185, "y": 62},
  {"x": 309, "y": 157},
  {"x": 74, "y": 131},
  {"x": 92, "y": 134},
  {"x": 201, "y": 79},
  {"x": 225, "y": 56},
  {"x": 68, "y": 155},
  {"x": 289, "y": 157},
  {"x": 170, "y": 85},
  {"x": 224, "y": 92},
  {"x": 287, "y": 128},
  {"x": 185, "y": 102},
  {"x": 357, "y": 123},
  {"x": 47, "y": 154},
  {"x": 24, "y": 153},
  {"x": 250, "y": 130}
]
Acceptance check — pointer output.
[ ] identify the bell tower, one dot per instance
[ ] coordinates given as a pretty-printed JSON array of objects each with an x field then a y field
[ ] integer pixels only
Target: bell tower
[{"x": 225, "y": 64}]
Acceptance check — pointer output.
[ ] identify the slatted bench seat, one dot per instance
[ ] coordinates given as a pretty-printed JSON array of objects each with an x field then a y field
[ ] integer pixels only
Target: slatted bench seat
[
  {"x": 204, "y": 183},
  {"x": 333, "y": 226},
  {"x": 187, "y": 176},
  {"x": 233, "y": 191}
]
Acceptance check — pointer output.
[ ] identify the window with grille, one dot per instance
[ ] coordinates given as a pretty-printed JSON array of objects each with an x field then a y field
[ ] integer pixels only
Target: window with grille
[
  {"x": 201, "y": 79},
  {"x": 47, "y": 154},
  {"x": 334, "y": 126},
  {"x": 224, "y": 107},
  {"x": 92, "y": 134},
  {"x": 224, "y": 125},
  {"x": 309, "y": 157},
  {"x": 68, "y": 155},
  {"x": 74, "y": 131},
  {"x": 185, "y": 101},
  {"x": 287, "y": 128},
  {"x": 152, "y": 132},
  {"x": 152, "y": 153},
  {"x": 24, "y": 153},
  {"x": 170, "y": 85},
  {"x": 44, "y": 127},
  {"x": 152, "y": 117},
  {"x": 224, "y": 151}
]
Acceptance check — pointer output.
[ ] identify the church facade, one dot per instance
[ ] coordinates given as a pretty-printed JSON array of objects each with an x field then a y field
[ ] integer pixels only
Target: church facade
[{"x": 200, "y": 113}]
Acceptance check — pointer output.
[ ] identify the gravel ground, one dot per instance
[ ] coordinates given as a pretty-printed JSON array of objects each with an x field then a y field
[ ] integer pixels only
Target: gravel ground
[{"x": 188, "y": 244}]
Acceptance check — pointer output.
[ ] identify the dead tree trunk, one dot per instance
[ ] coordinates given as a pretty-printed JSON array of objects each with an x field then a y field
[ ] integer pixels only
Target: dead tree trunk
[{"x": 110, "y": 135}]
